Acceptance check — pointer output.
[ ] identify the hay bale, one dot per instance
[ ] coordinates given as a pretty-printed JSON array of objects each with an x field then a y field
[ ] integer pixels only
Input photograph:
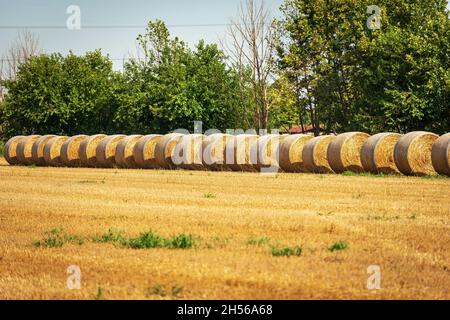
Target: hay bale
[
  {"x": 315, "y": 156},
  {"x": 24, "y": 149},
  {"x": 377, "y": 153},
  {"x": 268, "y": 152},
  {"x": 10, "y": 151},
  {"x": 52, "y": 151},
  {"x": 412, "y": 153},
  {"x": 188, "y": 153},
  {"x": 88, "y": 150},
  {"x": 245, "y": 156},
  {"x": 144, "y": 151},
  {"x": 291, "y": 152},
  {"x": 37, "y": 150},
  {"x": 70, "y": 151},
  {"x": 124, "y": 151},
  {"x": 165, "y": 148},
  {"x": 344, "y": 152},
  {"x": 215, "y": 147},
  {"x": 440, "y": 155},
  {"x": 106, "y": 150}
]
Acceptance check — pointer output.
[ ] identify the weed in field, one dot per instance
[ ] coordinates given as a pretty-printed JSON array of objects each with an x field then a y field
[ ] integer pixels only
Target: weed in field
[
  {"x": 181, "y": 241},
  {"x": 56, "y": 238},
  {"x": 258, "y": 241},
  {"x": 341, "y": 245},
  {"x": 161, "y": 291},
  {"x": 327, "y": 214},
  {"x": 87, "y": 181},
  {"x": 382, "y": 218},
  {"x": 286, "y": 251},
  {"x": 99, "y": 294},
  {"x": 209, "y": 195},
  {"x": 111, "y": 236},
  {"x": 149, "y": 240},
  {"x": 412, "y": 217}
]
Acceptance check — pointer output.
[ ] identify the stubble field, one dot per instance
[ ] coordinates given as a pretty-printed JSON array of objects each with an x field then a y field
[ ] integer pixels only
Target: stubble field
[{"x": 240, "y": 222}]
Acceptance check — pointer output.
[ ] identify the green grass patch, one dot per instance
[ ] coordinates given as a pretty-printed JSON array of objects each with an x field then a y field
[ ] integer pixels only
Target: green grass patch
[
  {"x": 56, "y": 238},
  {"x": 149, "y": 240},
  {"x": 209, "y": 195},
  {"x": 287, "y": 251},
  {"x": 111, "y": 236},
  {"x": 258, "y": 241},
  {"x": 99, "y": 295},
  {"x": 341, "y": 245}
]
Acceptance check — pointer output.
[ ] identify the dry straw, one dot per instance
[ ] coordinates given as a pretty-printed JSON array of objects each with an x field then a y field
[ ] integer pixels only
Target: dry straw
[
  {"x": 268, "y": 151},
  {"x": 314, "y": 154},
  {"x": 37, "y": 150},
  {"x": 24, "y": 149},
  {"x": 70, "y": 151},
  {"x": 245, "y": 156},
  {"x": 10, "y": 151},
  {"x": 412, "y": 153},
  {"x": 52, "y": 151},
  {"x": 377, "y": 154},
  {"x": 440, "y": 155},
  {"x": 124, "y": 151},
  {"x": 144, "y": 151},
  {"x": 165, "y": 150},
  {"x": 88, "y": 150},
  {"x": 291, "y": 152},
  {"x": 344, "y": 152},
  {"x": 189, "y": 152},
  {"x": 106, "y": 150},
  {"x": 215, "y": 155}
]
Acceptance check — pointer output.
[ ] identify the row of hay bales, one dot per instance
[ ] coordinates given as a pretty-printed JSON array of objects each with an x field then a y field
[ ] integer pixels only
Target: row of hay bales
[{"x": 415, "y": 153}]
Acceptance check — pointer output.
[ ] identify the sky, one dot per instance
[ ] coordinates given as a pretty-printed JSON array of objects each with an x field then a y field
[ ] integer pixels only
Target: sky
[{"x": 191, "y": 20}]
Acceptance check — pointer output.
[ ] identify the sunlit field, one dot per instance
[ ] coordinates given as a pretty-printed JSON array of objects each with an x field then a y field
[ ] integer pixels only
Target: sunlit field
[{"x": 221, "y": 235}]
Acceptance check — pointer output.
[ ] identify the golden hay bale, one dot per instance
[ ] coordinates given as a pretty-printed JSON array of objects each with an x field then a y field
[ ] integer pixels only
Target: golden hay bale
[
  {"x": 24, "y": 149},
  {"x": 412, "y": 153},
  {"x": 106, "y": 150},
  {"x": 344, "y": 152},
  {"x": 52, "y": 151},
  {"x": 37, "y": 150},
  {"x": 144, "y": 151},
  {"x": 291, "y": 152},
  {"x": 245, "y": 157},
  {"x": 188, "y": 153},
  {"x": 10, "y": 150},
  {"x": 215, "y": 147},
  {"x": 70, "y": 151},
  {"x": 440, "y": 155},
  {"x": 315, "y": 156},
  {"x": 377, "y": 153},
  {"x": 165, "y": 148},
  {"x": 268, "y": 152},
  {"x": 88, "y": 150},
  {"x": 124, "y": 151}
]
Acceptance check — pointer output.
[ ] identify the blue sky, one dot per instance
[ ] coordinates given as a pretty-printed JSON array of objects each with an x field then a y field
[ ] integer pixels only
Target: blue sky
[{"x": 118, "y": 43}]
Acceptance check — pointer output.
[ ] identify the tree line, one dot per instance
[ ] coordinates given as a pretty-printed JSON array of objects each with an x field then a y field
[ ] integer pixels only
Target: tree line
[{"x": 319, "y": 65}]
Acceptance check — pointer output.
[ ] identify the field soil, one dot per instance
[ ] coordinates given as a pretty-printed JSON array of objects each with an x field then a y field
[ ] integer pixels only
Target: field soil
[{"x": 343, "y": 224}]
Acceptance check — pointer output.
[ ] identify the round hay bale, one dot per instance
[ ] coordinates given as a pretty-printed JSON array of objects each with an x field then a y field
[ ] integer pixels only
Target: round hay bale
[
  {"x": 440, "y": 155},
  {"x": 24, "y": 149},
  {"x": 291, "y": 152},
  {"x": 144, "y": 151},
  {"x": 344, "y": 152},
  {"x": 215, "y": 147},
  {"x": 315, "y": 156},
  {"x": 70, "y": 155},
  {"x": 245, "y": 157},
  {"x": 188, "y": 153},
  {"x": 52, "y": 151},
  {"x": 268, "y": 152},
  {"x": 165, "y": 148},
  {"x": 124, "y": 151},
  {"x": 412, "y": 153},
  {"x": 10, "y": 151},
  {"x": 106, "y": 150},
  {"x": 37, "y": 150},
  {"x": 377, "y": 153},
  {"x": 88, "y": 150}
]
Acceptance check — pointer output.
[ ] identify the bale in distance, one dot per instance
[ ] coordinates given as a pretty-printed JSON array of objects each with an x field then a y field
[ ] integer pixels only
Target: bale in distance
[
  {"x": 10, "y": 151},
  {"x": 315, "y": 156},
  {"x": 70, "y": 151},
  {"x": 144, "y": 151},
  {"x": 268, "y": 152},
  {"x": 412, "y": 153},
  {"x": 165, "y": 148},
  {"x": 215, "y": 155},
  {"x": 440, "y": 155},
  {"x": 188, "y": 152},
  {"x": 37, "y": 150},
  {"x": 245, "y": 156},
  {"x": 344, "y": 152},
  {"x": 124, "y": 151},
  {"x": 88, "y": 150},
  {"x": 377, "y": 153},
  {"x": 52, "y": 151},
  {"x": 106, "y": 150},
  {"x": 24, "y": 149},
  {"x": 291, "y": 152}
]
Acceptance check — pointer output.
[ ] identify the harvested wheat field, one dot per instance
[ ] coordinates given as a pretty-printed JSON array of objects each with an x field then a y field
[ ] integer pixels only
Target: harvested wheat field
[{"x": 244, "y": 226}]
